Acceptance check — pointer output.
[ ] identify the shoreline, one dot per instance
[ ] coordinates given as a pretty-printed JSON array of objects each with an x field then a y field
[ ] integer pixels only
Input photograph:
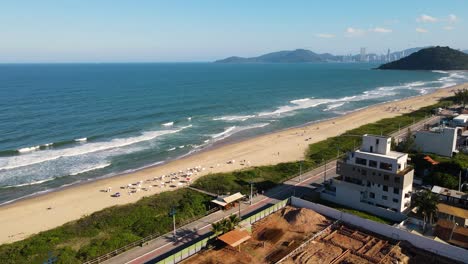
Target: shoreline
[
  {"x": 28, "y": 215},
  {"x": 211, "y": 147}
]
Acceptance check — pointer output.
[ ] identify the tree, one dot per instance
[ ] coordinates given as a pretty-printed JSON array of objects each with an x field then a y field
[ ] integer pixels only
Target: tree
[
  {"x": 408, "y": 143},
  {"x": 461, "y": 96},
  {"x": 426, "y": 203},
  {"x": 232, "y": 222},
  {"x": 217, "y": 228}
]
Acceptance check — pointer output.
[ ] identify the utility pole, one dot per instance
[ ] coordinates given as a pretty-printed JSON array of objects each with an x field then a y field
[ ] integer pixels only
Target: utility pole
[
  {"x": 239, "y": 209},
  {"x": 173, "y": 213},
  {"x": 325, "y": 172},
  {"x": 251, "y": 192},
  {"x": 300, "y": 171},
  {"x": 459, "y": 181}
]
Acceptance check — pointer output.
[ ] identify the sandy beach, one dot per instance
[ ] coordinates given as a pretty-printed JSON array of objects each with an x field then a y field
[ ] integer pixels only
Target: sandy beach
[{"x": 20, "y": 219}]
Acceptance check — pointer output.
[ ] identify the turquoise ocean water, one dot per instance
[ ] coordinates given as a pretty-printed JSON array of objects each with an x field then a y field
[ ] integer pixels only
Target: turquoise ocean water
[{"x": 61, "y": 124}]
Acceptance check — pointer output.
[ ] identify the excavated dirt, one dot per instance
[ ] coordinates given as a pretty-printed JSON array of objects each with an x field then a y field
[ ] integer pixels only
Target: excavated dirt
[{"x": 303, "y": 220}]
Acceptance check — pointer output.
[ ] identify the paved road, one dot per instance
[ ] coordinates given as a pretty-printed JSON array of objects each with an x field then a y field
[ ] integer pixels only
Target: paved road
[
  {"x": 197, "y": 229},
  {"x": 200, "y": 228}
]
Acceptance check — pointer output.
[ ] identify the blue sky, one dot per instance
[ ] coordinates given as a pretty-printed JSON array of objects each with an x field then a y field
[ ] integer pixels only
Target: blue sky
[{"x": 132, "y": 31}]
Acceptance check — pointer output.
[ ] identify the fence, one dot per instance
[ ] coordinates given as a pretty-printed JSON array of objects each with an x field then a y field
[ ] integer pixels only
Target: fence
[
  {"x": 198, "y": 246},
  {"x": 139, "y": 242},
  {"x": 418, "y": 241}
]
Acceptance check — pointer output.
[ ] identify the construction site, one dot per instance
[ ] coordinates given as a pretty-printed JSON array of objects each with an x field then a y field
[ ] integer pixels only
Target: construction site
[{"x": 300, "y": 235}]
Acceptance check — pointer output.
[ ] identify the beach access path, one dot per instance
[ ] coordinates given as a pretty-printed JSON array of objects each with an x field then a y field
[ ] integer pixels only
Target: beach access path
[
  {"x": 189, "y": 233},
  {"x": 26, "y": 217}
]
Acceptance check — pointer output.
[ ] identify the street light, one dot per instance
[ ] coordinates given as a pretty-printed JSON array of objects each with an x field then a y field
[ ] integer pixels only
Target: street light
[
  {"x": 173, "y": 213},
  {"x": 251, "y": 192},
  {"x": 300, "y": 171}
]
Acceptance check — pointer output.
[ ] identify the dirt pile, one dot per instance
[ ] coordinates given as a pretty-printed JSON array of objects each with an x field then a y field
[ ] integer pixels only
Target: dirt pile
[{"x": 304, "y": 220}]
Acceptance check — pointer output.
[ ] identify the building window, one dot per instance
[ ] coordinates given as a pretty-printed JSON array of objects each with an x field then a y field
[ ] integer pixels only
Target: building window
[
  {"x": 397, "y": 179},
  {"x": 373, "y": 163},
  {"x": 385, "y": 166},
  {"x": 368, "y": 183},
  {"x": 395, "y": 200},
  {"x": 372, "y": 195},
  {"x": 361, "y": 161},
  {"x": 385, "y": 177},
  {"x": 385, "y": 188},
  {"x": 384, "y": 197},
  {"x": 396, "y": 190}
]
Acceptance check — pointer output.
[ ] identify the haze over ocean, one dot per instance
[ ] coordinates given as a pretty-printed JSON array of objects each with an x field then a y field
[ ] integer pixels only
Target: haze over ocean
[{"x": 62, "y": 124}]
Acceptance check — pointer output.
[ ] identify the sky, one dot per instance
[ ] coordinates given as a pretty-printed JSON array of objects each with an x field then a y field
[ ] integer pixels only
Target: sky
[{"x": 192, "y": 31}]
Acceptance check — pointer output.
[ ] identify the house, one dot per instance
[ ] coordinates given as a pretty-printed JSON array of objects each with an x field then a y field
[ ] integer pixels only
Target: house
[
  {"x": 453, "y": 214},
  {"x": 373, "y": 179},
  {"x": 439, "y": 140},
  {"x": 460, "y": 120},
  {"x": 451, "y": 197}
]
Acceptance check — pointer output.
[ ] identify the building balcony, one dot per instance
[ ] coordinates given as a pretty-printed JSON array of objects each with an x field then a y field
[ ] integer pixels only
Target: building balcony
[{"x": 405, "y": 171}]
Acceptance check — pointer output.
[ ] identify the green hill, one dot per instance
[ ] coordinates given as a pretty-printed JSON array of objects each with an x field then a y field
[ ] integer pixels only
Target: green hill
[
  {"x": 434, "y": 58},
  {"x": 287, "y": 56}
]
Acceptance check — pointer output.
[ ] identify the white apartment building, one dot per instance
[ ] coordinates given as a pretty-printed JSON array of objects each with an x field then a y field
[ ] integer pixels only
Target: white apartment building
[
  {"x": 440, "y": 140},
  {"x": 373, "y": 179}
]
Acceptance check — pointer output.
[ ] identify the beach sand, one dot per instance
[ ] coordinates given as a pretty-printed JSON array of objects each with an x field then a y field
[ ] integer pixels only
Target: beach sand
[{"x": 20, "y": 219}]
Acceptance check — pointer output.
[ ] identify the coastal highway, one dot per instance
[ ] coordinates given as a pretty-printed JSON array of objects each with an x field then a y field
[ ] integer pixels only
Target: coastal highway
[{"x": 198, "y": 229}]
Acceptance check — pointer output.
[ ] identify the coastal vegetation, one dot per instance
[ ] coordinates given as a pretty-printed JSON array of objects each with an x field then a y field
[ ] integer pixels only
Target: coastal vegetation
[
  {"x": 112, "y": 228},
  {"x": 434, "y": 58},
  {"x": 107, "y": 230},
  {"x": 445, "y": 173}
]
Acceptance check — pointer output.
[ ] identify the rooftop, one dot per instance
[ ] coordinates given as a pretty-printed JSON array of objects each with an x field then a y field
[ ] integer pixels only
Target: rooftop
[
  {"x": 391, "y": 154},
  {"x": 451, "y": 193},
  {"x": 235, "y": 237},
  {"x": 452, "y": 210},
  {"x": 227, "y": 199}
]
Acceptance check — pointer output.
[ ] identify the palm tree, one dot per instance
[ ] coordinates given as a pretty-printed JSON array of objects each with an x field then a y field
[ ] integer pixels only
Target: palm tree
[
  {"x": 232, "y": 222},
  {"x": 217, "y": 228},
  {"x": 426, "y": 202},
  {"x": 461, "y": 96}
]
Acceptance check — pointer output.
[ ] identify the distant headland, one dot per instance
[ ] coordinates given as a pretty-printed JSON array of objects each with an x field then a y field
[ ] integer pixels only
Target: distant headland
[{"x": 434, "y": 58}]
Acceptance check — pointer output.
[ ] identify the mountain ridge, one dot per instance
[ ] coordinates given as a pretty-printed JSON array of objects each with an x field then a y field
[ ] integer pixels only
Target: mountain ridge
[{"x": 434, "y": 58}]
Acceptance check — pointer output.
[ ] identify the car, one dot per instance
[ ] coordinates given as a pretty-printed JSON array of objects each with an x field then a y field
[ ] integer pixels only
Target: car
[{"x": 117, "y": 194}]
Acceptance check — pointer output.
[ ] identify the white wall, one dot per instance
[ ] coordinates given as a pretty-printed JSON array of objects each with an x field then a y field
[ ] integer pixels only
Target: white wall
[
  {"x": 421, "y": 242},
  {"x": 442, "y": 143}
]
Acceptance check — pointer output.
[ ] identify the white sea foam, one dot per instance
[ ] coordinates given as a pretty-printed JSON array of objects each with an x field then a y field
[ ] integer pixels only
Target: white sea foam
[
  {"x": 171, "y": 149},
  {"x": 234, "y": 118},
  {"x": 182, "y": 146},
  {"x": 168, "y": 124},
  {"x": 297, "y": 105},
  {"x": 34, "y": 182},
  {"x": 226, "y": 131},
  {"x": 82, "y": 149},
  {"x": 29, "y": 149},
  {"x": 234, "y": 129},
  {"x": 87, "y": 169},
  {"x": 81, "y": 139},
  {"x": 436, "y": 71},
  {"x": 333, "y": 106},
  {"x": 47, "y": 145},
  {"x": 189, "y": 118}
]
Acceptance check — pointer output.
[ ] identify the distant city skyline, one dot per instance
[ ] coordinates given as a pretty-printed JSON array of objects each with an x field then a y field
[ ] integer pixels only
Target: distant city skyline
[{"x": 182, "y": 31}]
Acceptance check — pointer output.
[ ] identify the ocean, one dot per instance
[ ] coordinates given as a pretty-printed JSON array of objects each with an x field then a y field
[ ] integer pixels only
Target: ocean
[{"x": 62, "y": 124}]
